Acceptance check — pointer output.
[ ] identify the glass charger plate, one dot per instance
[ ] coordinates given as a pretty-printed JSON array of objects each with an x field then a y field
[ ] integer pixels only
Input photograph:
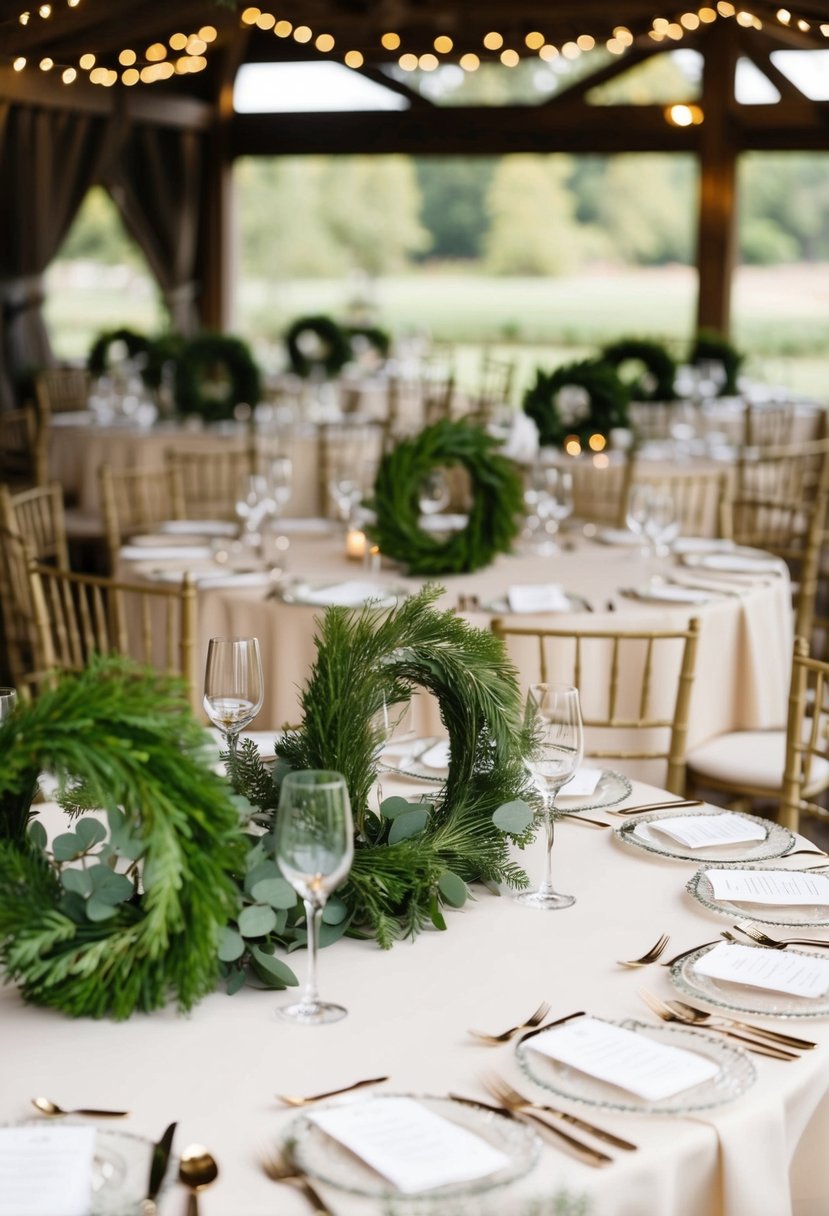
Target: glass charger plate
[
  {"x": 800, "y": 915},
  {"x": 655, "y": 594},
  {"x": 307, "y": 593},
  {"x": 736, "y": 1073},
  {"x": 738, "y": 997},
  {"x": 410, "y": 766},
  {"x": 612, "y": 788},
  {"x": 120, "y": 1169},
  {"x": 778, "y": 840},
  {"x": 326, "y": 1160},
  {"x": 575, "y": 603},
  {"x": 754, "y": 564}
]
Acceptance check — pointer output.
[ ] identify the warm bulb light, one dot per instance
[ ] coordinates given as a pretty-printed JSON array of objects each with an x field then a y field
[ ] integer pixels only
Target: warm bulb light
[
  {"x": 427, "y": 62},
  {"x": 725, "y": 8},
  {"x": 24, "y": 18},
  {"x": 689, "y": 21},
  {"x": 585, "y": 42},
  {"x": 324, "y": 43},
  {"x": 249, "y": 16},
  {"x": 470, "y": 62},
  {"x": 282, "y": 29},
  {"x": 534, "y": 40},
  {"x": 684, "y": 115},
  {"x": 68, "y": 75},
  {"x": 597, "y": 443},
  {"x": 19, "y": 63},
  {"x": 177, "y": 42},
  {"x": 303, "y": 33},
  {"x": 45, "y": 11},
  {"x": 493, "y": 41},
  {"x": 803, "y": 26},
  {"x": 265, "y": 21},
  {"x": 784, "y": 16},
  {"x": 207, "y": 33},
  {"x": 548, "y": 52},
  {"x": 390, "y": 41},
  {"x": 130, "y": 77},
  {"x": 195, "y": 46},
  {"x": 510, "y": 58},
  {"x": 157, "y": 52},
  {"x": 572, "y": 445},
  {"x": 46, "y": 64},
  {"x": 570, "y": 50},
  {"x": 127, "y": 58},
  {"x": 707, "y": 15},
  {"x": 354, "y": 59},
  {"x": 87, "y": 62},
  {"x": 443, "y": 44},
  {"x": 407, "y": 62}
]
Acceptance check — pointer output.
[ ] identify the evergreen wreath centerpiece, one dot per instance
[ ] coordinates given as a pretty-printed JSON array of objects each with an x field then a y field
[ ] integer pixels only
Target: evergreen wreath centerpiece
[
  {"x": 317, "y": 344},
  {"x": 580, "y": 399},
  {"x": 652, "y": 365},
  {"x": 711, "y": 347},
  {"x": 494, "y": 513},
  {"x": 135, "y": 344},
  {"x": 369, "y": 336},
  {"x": 213, "y": 374}
]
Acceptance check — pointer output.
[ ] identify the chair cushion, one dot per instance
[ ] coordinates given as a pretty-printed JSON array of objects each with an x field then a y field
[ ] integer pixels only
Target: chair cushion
[{"x": 752, "y": 759}]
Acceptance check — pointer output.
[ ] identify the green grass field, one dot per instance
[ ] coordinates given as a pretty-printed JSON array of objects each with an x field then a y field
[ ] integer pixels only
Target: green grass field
[{"x": 781, "y": 314}]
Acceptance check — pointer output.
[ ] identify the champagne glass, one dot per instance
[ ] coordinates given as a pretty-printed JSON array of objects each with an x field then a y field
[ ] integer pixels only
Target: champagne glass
[
  {"x": 8, "y": 701},
  {"x": 233, "y": 687},
  {"x": 557, "y": 753},
  {"x": 314, "y": 840}
]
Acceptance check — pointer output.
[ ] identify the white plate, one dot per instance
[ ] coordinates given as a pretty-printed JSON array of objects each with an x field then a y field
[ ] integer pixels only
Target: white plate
[
  {"x": 327, "y": 1161},
  {"x": 620, "y": 536},
  {"x": 409, "y": 764},
  {"x": 755, "y": 564},
  {"x": 575, "y": 603},
  {"x": 799, "y": 916},
  {"x": 736, "y": 1073},
  {"x": 777, "y": 842},
  {"x": 737, "y": 997},
  {"x": 659, "y": 594},
  {"x": 198, "y": 527}
]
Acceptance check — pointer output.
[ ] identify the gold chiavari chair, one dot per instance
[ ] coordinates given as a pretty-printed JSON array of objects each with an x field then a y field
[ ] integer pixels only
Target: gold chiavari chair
[
  {"x": 135, "y": 500},
  {"x": 37, "y": 515},
  {"x": 22, "y": 449},
  {"x": 19, "y": 643},
  {"x": 61, "y": 390},
  {"x": 210, "y": 480},
  {"x": 775, "y": 424},
  {"x": 600, "y": 490},
  {"x": 699, "y": 496},
  {"x": 806, "y": 764},
  {"x": 635, "y": 682},
  {"x": 78, "y": 615},
  {"x": 494, "y": 389}
]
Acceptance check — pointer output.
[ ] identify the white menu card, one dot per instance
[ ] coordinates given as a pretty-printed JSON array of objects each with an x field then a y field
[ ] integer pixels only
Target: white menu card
[
  {"x": 413, "y": 1147},
  {"x": 763, "y": 967},
  {"x": 537, "y": 597},
  {"x": 705, "y": 831},
  {"x": 777, "y": 887},
  {"x": 625, "y": 1058},
  {"x": 583, "y": 783},
  {"x": 46, "y": 1170}
]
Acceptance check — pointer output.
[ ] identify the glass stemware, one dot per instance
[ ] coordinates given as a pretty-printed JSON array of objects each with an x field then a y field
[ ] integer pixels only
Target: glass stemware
[
  {"x": 8, "y": 701},
  {"x": 434, "y": 493},
  {"x": 280, "y": 484},
  {"x": 233, "y": 686},
  {"x": 314, "y": 841},
  {"x": 557, "y": 753}
]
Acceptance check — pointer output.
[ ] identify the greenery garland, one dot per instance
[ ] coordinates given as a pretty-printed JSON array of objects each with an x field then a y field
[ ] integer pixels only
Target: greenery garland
[
  {"x": 416, "y": 856},
  {"x": 76, "y": 934},
  {"x": 197, "y": 391},
  {"x": 602, "y": 404},
  {"x": 711, "y": 347},
  {"x": 334, "y": 343},
  {"x": 494, "y": 513},
  {"x": 654, "y": 380},
  {"x": 98, "y": 358}
]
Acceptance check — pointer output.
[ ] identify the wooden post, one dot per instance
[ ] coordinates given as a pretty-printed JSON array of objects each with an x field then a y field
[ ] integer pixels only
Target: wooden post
[{"x": 717, "y": 223}]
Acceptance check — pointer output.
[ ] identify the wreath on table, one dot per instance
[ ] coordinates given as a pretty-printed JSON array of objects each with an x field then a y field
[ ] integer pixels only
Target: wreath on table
[
  {"x": 494, "y": 514},
  {"x": 213, "y": 374},
  {"x": 655, "y": 368},
  {"x": 579, "y": 399},
  {"x": 711, "y": 347},
  {"x": 318, "y": 343},
  {"x": 370, "y": 336},
  {"x": 98, "y": 360}
]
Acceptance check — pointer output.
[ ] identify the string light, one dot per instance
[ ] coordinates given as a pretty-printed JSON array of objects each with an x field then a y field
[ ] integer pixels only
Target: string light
[{"x": 390, "y": 41}]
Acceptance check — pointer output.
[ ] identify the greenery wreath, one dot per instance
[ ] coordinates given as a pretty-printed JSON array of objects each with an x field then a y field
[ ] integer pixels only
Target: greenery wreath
[
  {"x": 329, "y": 343},
  {"x": 494, "y": 513},
  {"x": 711, "y": 347},
  {"x": 378, "y": 339},
  {"x": 98, "y": 358},
  {"x": 198, "y": 388},
  {"x": 655, "y": 367},
  {"x": 599, "y": 402},
  {"x": 75, "y": 933}
]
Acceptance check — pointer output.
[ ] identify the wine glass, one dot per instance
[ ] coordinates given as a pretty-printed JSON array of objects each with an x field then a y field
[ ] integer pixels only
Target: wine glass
[
  {"x": 434, "y": 493},
  {"x": 233, "y": 687},
  {"x": 638, "y": 512},
  {"x": 662, "y": 526},
  {"x": 280, "y": 484},
  {"x": 314, "y": 841},
  {"x": 554, "y": 505},
  {"x": 558, "y": 751},
  {"x": 8, "y": 701}
]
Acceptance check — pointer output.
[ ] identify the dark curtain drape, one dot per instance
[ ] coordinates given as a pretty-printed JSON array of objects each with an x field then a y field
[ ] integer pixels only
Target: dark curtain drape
[
  {"x": 48, "y": 160},
  {"x": 157, "y": 183}
]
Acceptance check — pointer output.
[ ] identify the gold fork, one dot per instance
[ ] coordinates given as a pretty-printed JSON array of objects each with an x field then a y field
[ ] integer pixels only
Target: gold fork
[
  {"x": 501, "y": 1092},
  {"x": 656, "y": 806},
  {"x": 703, "y": 1018},
  {"x": 535, "y": 1019},
  {"x": 776, "y": 943},
  {"x": 650, "y": 956},
  {"x": 667, "y": 1014},
  {"x": 297, "y": 1100},
  {"x": 278, "y": 1163},
  {"x": 507, "y": 1092}
]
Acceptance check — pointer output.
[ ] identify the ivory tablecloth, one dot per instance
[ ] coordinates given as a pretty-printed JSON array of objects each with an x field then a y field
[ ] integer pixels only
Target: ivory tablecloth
[{"x": 216, "y": 1071}]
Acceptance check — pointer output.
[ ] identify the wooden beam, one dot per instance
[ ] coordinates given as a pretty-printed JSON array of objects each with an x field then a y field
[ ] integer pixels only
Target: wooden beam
[
  {"x": 609, "y": 71},
  {"x": 148, "y": 103},
  {"x": 717, "y": 221},
  {"x": 758, "y": 50}
]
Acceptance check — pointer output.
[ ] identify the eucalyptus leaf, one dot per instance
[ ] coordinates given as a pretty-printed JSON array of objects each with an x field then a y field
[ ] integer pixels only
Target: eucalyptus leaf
[
  {"x": 78, "y": 881},
  {"x": 97, "y": 909},
  {"x": 277, "y": 892},
  {"x": 66, "y": 847},
  {"x": 235, "y": 981},
  {"x": 329, "y": 934},
  {"x": 390, "y": 808},
  {"x": 408, "y": 825},
  {"x": 37, "y": 834},
  {"x": 453, "y": 889},
  {"x": 109, "y": 887},
  {"x": 334, "y": 912},
  {"x": 231, "y": 946},
  {"x": 257, "y": 920},
  {"x": 261, "y": 871},
  {"x": 90, "y": 832},
  {"x": 275, "y": 967},
  {"x": 513, "y": 817}
]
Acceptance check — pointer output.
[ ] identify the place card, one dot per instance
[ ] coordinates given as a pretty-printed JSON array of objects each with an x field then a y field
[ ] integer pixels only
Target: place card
[
  {"x": 582, "y": 784},
  {"x": 411, "y": 1146},
  {"x": 706, "y": 831},
  {"x": 537, "y": 597},
  {"x": 46, "y": 1171},
  {"x": 777, "y": 887},
  {"x": 762, "y": 967},
  {"x": 625, "y": 1058}
]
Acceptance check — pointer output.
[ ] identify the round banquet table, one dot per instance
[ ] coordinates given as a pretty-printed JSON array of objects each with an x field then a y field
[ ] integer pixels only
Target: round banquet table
[
  {"x": 744, "y": 652},
  {"x": 216, "y": 1071}
]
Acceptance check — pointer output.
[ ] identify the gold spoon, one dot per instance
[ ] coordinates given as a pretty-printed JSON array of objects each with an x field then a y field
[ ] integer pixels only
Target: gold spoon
[
  {"x": 196, "y": 1170},
  {"x": 47, "y": 1107}
]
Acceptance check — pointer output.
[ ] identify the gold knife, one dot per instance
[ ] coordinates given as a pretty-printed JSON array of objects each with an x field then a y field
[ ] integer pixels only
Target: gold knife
[{"x": 158, "y": 1168}]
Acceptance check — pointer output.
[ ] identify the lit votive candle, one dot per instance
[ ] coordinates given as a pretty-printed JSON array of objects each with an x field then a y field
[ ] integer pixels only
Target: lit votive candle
[{"x": 355, "y": 544}]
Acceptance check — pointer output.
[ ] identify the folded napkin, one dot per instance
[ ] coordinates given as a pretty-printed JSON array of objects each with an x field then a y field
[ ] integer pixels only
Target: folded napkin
[
  {"x": 242, "y": 578},
  {"x": 673, "y": 595},
  {"x": 198, "y": 527},
  {"x": 159, "y": 553},
  {"x": 737, "y": 564},
  {"x": 618, "y": 536},
  {"x": 303, "y": 527},
  {"x": 443, "y": 523},
  {"x": 537, "y": 597},
  {"x": 350, "y": 594},
  {"x": 701, "y": 544}
]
